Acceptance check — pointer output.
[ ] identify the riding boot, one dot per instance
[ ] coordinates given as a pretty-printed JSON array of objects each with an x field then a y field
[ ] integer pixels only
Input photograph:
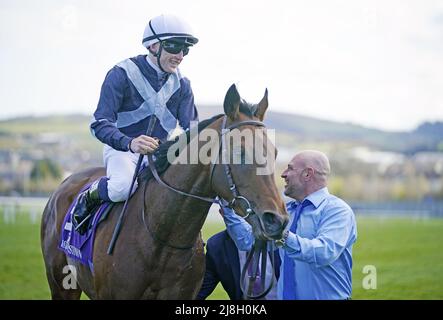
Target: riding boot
[{"x": 87, "y": 202}]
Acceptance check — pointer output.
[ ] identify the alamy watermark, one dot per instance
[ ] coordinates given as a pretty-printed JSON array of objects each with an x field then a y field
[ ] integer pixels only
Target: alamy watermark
[
  {"x": 369, "y": 281},
  {"x": 246, "y": 147},
  {"x": 70, "y": 280}
]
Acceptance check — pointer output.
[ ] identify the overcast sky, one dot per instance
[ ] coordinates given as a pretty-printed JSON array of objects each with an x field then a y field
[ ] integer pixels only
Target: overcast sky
[{"x": 375, "y": 63}]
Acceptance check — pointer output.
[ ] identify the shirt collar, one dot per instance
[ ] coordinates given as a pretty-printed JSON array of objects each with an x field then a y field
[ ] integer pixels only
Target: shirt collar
[
  {"x": 317, "y": 197},
  {"x": 160, "y": 73}
]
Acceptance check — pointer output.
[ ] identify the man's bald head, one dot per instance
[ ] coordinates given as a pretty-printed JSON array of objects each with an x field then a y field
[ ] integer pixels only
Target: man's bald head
[
  {"x": 316, "y": 160},
  {"x": 307, "y": 172}
]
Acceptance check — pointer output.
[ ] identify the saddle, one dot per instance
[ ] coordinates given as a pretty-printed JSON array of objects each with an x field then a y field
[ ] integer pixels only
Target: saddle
[{"x": 80, "y": 246}]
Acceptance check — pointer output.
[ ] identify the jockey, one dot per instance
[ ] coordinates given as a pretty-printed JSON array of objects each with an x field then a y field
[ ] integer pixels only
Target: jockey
[{"x": 133, "y": 91}]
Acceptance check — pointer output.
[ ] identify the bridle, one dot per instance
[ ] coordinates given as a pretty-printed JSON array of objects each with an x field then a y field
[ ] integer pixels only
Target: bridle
[
  {"x": 223, "y": 150},
  {"x": 260, "y": 247},
  {"x": 227, "y": 169}
]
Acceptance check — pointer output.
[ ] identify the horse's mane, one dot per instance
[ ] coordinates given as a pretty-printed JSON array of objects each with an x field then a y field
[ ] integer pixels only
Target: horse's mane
[
  {"x": 248, "y": 108},
  {"x": 161, "y": 159},
  {"x": 162, "y": 163}
]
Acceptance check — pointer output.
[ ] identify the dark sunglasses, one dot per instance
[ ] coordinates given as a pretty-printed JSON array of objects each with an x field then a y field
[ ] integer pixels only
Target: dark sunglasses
[{"x": 175, "y": 48}]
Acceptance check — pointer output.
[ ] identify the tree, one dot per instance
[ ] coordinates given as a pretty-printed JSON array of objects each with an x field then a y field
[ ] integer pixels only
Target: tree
[{"x": 45, "y": 169}]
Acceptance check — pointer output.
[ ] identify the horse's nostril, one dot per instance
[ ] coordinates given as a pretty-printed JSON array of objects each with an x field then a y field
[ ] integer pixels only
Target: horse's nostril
[
  {"x": 273, "y": 223},
  {"x": 269, "y": 217}
]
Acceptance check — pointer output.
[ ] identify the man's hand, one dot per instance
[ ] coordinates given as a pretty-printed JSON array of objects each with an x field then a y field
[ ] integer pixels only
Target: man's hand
[
  {"x": 282, "y": 242},
  {"x": 144, "y": 144}
]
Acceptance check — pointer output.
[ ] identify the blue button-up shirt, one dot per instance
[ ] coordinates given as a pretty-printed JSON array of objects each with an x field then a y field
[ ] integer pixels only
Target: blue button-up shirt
[{"x": 321, "y": 246}]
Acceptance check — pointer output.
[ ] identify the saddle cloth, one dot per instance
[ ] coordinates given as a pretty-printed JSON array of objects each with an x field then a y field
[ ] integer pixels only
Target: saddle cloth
[{"x": 77, "y": 246}]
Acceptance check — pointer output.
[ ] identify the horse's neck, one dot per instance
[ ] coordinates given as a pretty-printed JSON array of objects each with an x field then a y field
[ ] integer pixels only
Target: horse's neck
[
  {"x": 180, "y": 218},
  {"x": 174, "y": 217}
]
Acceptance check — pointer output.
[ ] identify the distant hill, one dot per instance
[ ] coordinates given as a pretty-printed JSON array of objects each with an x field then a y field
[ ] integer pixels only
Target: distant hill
[{"x": 427, "y": 137}]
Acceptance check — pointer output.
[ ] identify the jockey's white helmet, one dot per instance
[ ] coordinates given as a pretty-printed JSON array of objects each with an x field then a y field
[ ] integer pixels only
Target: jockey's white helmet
[{"x": 168, "y": 26}]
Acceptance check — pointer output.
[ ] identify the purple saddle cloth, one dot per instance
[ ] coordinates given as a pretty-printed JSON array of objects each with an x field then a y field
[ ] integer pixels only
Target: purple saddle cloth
[{"x": 77, "y": 246}]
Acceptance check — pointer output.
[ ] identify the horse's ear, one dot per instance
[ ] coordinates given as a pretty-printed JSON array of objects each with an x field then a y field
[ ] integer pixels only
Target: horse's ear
[
  {"x": 232, "y": 102},
  {"x": 262, "y": 106}
]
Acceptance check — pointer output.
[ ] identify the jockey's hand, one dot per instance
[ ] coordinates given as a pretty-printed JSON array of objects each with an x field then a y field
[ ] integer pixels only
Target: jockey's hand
[{"x": 144, "y": 144}]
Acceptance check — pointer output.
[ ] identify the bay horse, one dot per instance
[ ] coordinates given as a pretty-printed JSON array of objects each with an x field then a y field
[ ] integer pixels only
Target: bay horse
[{"x": 160, "y": 253}]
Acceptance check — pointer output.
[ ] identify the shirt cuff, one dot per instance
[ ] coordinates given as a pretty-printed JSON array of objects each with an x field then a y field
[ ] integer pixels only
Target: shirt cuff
[
  {"x": 230, "y": 216},
  {"x": 238, "y": 229},
  {"x": 292, "y": 245}
]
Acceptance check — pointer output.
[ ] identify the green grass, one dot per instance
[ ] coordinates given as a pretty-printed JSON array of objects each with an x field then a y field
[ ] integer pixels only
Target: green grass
[
  {"x": 22, "y": 273},
  {"x": 406, "y": 253}
]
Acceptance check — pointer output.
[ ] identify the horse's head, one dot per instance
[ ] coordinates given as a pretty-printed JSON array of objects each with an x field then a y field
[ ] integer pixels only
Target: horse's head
[{"x": 249, "y": 155}]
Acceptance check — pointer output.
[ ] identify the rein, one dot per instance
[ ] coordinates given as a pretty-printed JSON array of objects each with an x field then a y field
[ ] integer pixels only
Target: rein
[
  {"x": 260, "y": 247},
  {"x": 227, "y": 169},
  {"x": 259, "y": 250}
]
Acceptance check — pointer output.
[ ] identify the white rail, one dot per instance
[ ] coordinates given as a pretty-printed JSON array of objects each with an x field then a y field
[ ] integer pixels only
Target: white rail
[{"x": 33, "y": 206}]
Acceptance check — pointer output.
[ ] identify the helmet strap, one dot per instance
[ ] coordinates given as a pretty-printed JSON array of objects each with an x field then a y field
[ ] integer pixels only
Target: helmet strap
[{"x": 158, "y": 55}]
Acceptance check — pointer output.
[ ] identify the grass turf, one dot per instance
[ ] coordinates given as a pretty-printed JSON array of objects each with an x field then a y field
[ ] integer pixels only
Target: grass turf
[{"x": 407, "y": 254}]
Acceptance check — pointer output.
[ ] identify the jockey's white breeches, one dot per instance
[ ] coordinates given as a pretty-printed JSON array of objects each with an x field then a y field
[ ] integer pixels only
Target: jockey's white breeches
[{"x": 120, "y": 167}]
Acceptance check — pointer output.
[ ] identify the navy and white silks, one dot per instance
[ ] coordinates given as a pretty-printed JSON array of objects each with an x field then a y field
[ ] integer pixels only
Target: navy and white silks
[{"x": 131, "y": 93}]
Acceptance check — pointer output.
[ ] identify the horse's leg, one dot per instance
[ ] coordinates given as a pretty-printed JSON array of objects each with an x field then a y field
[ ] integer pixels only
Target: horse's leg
[
  {"x": 62, "y": 278},
  {"x": 62, "y": 282}
]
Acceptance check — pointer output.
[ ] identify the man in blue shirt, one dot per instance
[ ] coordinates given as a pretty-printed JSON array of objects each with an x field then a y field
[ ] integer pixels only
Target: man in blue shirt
[
  {"x": 316, "y": 248},
  {"x": 135, "y": 91}
]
